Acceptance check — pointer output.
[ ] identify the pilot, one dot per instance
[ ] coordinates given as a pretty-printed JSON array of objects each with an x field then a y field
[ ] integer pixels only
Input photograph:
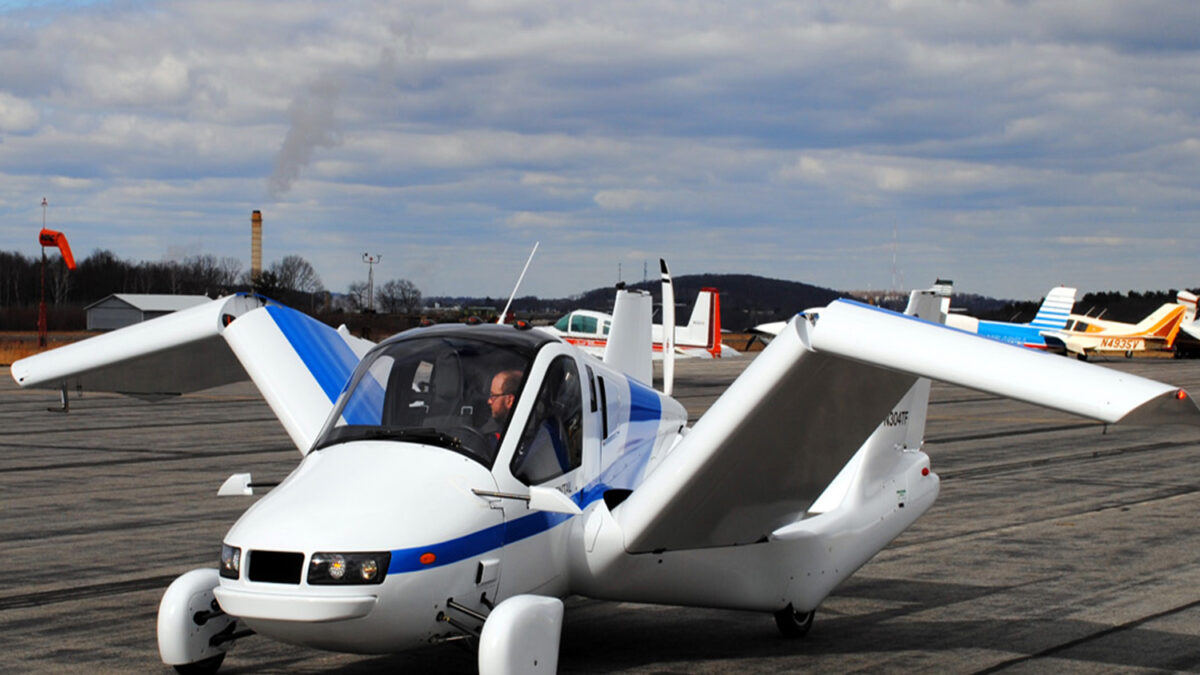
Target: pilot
[{"x": 501, "y": 397}]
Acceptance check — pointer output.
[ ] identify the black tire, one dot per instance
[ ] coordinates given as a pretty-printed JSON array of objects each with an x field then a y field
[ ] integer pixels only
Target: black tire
[
  {"x": 208, "y": 666},
  {"x": 1082, "y": 356},
  {"x": 793, "y": 624}
]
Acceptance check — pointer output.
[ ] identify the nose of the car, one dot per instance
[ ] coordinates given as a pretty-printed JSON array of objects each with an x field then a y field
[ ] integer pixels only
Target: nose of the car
[{"x": 370, "y": 496}]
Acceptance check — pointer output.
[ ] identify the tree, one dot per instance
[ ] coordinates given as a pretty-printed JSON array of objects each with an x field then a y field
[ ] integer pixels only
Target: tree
[
  {"x": 399, "y": 296},
  {"x": 297, "y": 274},
  {"x": 267, "y": 284},
  {"x": 356, "y": 295}
]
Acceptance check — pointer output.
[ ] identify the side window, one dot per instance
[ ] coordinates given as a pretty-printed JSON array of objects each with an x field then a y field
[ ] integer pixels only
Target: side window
[
  {"x": 607, "y": 327},
  {"x": 552, "y": 442},
  {"x": 563, "y": 324},
  {"x": 583, "y": 324}
]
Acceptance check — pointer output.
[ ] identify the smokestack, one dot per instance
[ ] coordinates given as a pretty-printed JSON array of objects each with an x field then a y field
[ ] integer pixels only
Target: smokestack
[{"x": 255, "y": 245}]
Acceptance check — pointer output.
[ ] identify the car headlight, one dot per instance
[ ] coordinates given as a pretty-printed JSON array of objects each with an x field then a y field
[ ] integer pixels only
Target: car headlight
[
  {"x": 231, "y": 561},
  {"x": 348, "y": 568}
]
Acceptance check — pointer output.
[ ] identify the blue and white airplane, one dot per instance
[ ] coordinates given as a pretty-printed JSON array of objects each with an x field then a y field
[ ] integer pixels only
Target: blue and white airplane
[
  {"x": 1051, "y": 316},
  {"x": 455, "y": 482}
]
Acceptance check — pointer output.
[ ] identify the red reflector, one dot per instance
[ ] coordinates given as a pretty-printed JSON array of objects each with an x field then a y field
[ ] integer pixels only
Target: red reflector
[
  {"x": 428, "y": 558},
  {"x": 925, "y": 471},
  {"x": 1181, "y": 394}
]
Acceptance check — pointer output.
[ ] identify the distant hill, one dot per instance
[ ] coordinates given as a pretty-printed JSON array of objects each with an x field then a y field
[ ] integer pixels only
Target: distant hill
[{"x": 746, "y": 299}]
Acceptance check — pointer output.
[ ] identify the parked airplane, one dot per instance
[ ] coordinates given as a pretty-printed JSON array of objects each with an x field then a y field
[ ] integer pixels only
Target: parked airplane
[
  {"x": 1187, "y": 342},
  {"x": 457, "y": 481},
  {"x": 1052, "y": 315},
  {"x": 588, "y": 330},
  {"x": 1086, "y": 336}
]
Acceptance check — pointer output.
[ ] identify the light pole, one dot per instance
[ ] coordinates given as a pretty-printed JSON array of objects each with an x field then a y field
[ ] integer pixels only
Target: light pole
[{"x": 371, "y": 261}]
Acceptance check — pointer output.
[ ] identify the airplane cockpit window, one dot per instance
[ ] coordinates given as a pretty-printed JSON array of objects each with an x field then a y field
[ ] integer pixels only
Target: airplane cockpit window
[
  {"x": 449, "y": 389},
  {"x": 583, "y": 324},
  {"x": 552, "y": 442},
  {"x": 563, "y": 324}
]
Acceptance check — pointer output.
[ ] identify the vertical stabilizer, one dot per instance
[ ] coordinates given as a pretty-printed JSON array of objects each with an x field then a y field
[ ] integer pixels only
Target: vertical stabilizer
[
  {"x": 668, "y": 333},
  {"x": 881, "y": 460},
  {"x": 629, "y": 343},
  {"x": 1055, "y": 309},
  {"x": 704, "y": 326}
]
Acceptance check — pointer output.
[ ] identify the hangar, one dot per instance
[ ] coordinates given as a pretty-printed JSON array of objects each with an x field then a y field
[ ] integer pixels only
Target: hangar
[{"x": 123, "y": 309}]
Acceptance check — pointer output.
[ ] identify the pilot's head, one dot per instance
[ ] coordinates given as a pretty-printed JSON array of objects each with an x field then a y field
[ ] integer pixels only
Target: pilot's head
[{"x": 503, "y": 393}]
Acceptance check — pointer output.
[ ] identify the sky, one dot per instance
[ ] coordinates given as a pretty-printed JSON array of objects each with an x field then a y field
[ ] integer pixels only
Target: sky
[{"x": 1010, "y": 146}]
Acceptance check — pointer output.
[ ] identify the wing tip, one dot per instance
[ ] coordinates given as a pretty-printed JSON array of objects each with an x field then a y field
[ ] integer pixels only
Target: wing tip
[{"x": 1171, "y": 407}]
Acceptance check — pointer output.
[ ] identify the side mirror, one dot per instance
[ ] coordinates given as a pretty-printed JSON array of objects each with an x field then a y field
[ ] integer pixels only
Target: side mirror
[
  {"x": 551, "y": 500},
  {"x": 237, "y": 485}
]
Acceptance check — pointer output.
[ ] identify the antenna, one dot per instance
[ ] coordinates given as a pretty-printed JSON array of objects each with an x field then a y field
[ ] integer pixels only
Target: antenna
[{"x": 500, "y": 319}]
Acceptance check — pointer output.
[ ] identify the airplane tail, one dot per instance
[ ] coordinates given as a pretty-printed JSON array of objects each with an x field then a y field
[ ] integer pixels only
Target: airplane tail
[
  {"x": 1163, "y": 323},
  {"x": 882, "y": 460},
  {"x": 704, "y": 325},
  {"x": 1188, "y": 300},
  {"x": 1055, "y": 309},
  {"x": 630, "y": 345}
]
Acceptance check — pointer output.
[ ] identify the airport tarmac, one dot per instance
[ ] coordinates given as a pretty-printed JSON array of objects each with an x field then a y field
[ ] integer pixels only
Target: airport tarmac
[{"x": 1056, "y": 545}]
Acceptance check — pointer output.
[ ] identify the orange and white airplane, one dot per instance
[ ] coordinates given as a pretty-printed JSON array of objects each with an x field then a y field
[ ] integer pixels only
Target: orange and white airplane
[
  {"x": 1086, "y": 336},
  {"x": 701, "y": 337}
]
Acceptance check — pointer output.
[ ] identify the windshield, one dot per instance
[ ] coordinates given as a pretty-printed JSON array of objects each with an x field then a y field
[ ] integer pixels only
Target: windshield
[{"x": 451, "y": 391}]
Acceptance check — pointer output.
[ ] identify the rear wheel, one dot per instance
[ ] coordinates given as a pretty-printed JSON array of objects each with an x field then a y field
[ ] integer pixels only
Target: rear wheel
[{"x": 793, "y": 624}]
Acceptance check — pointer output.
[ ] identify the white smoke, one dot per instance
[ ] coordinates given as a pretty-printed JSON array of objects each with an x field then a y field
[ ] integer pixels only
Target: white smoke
[{"x": 312, "y": 126}]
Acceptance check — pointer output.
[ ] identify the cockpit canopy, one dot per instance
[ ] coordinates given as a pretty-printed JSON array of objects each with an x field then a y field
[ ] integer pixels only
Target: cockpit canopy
[{"x": 435, "y": 386}]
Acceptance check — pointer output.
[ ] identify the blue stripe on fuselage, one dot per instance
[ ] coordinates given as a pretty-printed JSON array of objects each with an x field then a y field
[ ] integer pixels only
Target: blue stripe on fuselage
[{"x": 1012, "y": 333}]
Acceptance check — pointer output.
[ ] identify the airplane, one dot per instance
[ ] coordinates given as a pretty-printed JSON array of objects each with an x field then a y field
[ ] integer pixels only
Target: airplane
[
  {"x": 1187, "y": 342},
  {"x": 701, "y": 338},
  {"x": 1051, "y": 315},
  {"x": 1089, "y": 336},
  {"x": 456, "y": 482}
]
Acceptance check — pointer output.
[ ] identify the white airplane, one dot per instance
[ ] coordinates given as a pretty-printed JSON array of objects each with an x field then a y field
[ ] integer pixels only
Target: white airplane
[
  {"x": 412, "y": 519},
  {"x": 701, "y": 338}
]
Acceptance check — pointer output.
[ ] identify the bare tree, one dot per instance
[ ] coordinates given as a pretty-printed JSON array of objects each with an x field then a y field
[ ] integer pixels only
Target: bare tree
[
  {"x": 297, "y": 274},
  {"x": 399, "y": 295},
  {"x": 230, "y": 269},
  {"x": 356, "y": 295}
]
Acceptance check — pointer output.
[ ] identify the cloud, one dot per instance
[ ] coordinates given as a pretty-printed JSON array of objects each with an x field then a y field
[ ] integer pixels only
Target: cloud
[
  {"x": 791, "y": 138},
  {"x": 16, "y": 115}
]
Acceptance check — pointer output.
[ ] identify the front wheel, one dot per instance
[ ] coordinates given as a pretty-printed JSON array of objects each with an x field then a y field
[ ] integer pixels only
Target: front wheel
[{"x": 793, "y": 624}]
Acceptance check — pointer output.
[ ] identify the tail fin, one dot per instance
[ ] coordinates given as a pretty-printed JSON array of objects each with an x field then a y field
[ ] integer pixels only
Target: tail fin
[
  {"x": 1055, "y": 309},
  {"x": 902, "y": 430},
  {"x": 1188, "y": 300},
  {"x": 1163, "y": 323},
  {"x": 629, "y": 345},
  {"x": 704, "y": 326}
]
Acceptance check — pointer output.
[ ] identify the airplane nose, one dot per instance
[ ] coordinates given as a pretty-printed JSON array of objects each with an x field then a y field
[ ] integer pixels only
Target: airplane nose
[
  {"x": 313, "y": 546},
  {"x": 372, "y": 496}
]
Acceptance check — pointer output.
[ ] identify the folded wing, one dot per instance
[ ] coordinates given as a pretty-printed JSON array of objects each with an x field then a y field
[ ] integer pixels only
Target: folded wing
[
  {"x": 771, "y": 444},
  {"x": 298, "y": 363}
]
